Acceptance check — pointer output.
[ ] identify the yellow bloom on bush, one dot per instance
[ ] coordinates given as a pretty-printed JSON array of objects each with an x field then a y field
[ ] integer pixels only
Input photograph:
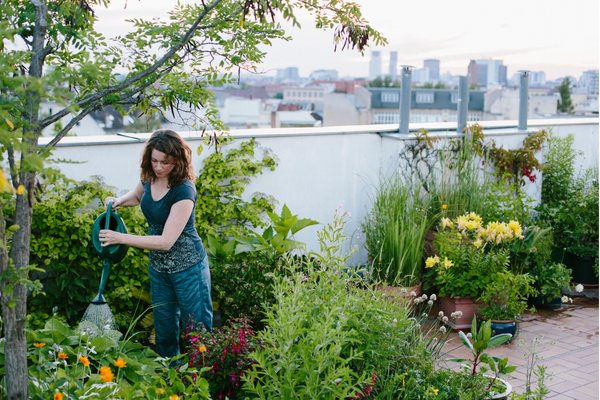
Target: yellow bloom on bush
[
  {"x": 173, "y": 397},
  {"x": 472, "y": 225},
  {"x": 202, "y": 348},
  {"x": 444, "y": 206},
  {"x": 84, "y": 361},
  {"x": 447, "y": 263},
  {"x": 106, "y": 374},
  {"x": 120, "y": 363},
  {"x": 39, "y": 344},
  {"x": 446, "y": 223},
  {"x": 63, "y": 356},
  {"x": 160, "y": 391},
  {"x": 477, "y": 243},
  {"x": 430, "y": 262},
  {"x": 58, "y": 396},
  {"x": 474, "y": 217}
]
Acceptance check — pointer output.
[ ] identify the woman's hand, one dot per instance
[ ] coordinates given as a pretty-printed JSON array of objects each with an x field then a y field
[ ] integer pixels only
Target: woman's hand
[
  {"x": 116, "y": 202},
  {"x": 108, "y": 237}
]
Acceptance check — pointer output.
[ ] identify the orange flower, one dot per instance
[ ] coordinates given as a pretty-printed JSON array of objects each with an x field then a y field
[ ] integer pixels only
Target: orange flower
[
  {"x": 58, "y": 396},
  {"x": 39, "y": 344},
  {"x": 173, "y": 397},
  {"x": 202, "y": 348},
  {"x": 63, "y": 356},
  {"x": 444, "y": 206},
  {"x": 106, "y": 374},
  {"x": 120, "y": 363},
  {"x": 84, "y": 361}
]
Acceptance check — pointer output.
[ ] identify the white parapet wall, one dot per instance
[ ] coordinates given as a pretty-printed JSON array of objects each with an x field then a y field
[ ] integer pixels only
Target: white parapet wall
[{"x": 319, "y": 168}]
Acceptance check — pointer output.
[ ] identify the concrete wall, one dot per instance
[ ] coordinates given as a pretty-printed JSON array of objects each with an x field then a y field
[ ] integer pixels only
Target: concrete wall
[{"x": 319, "y": 168}]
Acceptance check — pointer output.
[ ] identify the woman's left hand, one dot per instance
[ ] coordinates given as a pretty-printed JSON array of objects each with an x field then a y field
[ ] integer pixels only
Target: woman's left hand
[{"x": 108, "y": 237}]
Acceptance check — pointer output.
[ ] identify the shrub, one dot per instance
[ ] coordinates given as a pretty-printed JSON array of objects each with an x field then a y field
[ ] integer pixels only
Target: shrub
[{"x": 226, "y": 354}]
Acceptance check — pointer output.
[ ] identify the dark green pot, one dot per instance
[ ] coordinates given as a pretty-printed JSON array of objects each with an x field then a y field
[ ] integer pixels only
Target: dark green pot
[{"x": 583, "y": 269}]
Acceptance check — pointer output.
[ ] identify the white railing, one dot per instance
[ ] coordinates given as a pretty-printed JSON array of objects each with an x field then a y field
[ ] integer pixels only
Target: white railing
[{"x": 319, "y": 168}]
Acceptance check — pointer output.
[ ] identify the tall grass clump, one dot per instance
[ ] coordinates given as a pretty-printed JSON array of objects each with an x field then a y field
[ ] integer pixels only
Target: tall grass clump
[
  {"x": 459, "y": 183},
  {"x": 395, "y": 231}
]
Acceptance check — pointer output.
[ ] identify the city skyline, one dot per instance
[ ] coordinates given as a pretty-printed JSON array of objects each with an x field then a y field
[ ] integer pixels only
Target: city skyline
[{"x": 534, "y": 35}]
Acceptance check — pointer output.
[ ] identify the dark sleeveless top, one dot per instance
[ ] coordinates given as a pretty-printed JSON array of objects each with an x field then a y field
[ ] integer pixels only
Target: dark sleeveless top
[{"x": 188, "y": 249}]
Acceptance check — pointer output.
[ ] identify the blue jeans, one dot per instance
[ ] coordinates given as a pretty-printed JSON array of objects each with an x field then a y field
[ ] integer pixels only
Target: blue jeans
[{"x": 181, "y": 296}]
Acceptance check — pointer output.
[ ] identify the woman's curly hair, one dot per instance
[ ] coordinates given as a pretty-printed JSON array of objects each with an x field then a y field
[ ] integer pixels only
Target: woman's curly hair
[{"x": 176, "y": 149}]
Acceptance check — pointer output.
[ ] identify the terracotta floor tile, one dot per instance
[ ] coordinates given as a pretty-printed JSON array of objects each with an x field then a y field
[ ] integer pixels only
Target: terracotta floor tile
[
  {"x": 563, "y": 386},
  {"x": 559, "y": 396},
  {"x": 581, "y": 394},
  {"x": 574, "y": 376}
]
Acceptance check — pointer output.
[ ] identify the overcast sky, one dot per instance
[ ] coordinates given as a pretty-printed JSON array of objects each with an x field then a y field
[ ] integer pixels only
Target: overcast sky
[{"x": 553, "y": 36}]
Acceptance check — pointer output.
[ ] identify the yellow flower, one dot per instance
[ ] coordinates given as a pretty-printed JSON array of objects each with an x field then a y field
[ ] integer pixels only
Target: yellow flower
[
  {"x": 477, "y": 243},
  {"x": 160, "y": 391},
  {"x": 471, "y": 225},
  {"x": 435, "y": 391},
  {"x": 63, "y": 356},
  {"x": 84, "y": 361},
  {"x": 430, "y": 262},
  {"x": 202, "y": 348},
  {"x": 447, "y": 263},
  {"x": 120, "y": 363},
  {"x": 20, "y": 189},
  {"x": 58, "y": 396},
  {"x": 474, "y": 217},
  {"x": 106, "y": 374},
  {"x": 444, "y": 206},
  {"x": 446, "y": 223},
  {"x": 173, "y": 397},
  {"x": 39, "y": 344}
]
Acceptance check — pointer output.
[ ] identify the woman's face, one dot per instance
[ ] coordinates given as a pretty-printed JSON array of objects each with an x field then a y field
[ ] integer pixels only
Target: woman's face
[{"x": 162, "y": 165}]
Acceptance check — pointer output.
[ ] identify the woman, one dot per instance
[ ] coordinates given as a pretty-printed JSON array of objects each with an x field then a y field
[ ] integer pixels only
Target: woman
[{"x": 179, "y": 274}]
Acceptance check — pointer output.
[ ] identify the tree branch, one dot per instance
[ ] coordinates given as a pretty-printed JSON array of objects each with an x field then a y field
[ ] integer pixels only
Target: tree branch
[
  {"x": 72, "y": 123},
  {"x": 11, "y": 164},
  {"x": 139, "y": 76}
]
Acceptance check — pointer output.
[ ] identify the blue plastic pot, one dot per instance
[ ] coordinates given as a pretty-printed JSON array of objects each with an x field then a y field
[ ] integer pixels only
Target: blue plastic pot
[{"x": 500, "y": 327}]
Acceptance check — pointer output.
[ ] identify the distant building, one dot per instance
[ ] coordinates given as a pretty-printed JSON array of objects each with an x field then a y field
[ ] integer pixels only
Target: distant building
[
  {"x": 347, "y": 108},
  {"x": 393, "y": 70},
  {"x": 426, "y": 105},
  {"x": 496, "y": 72},
  {"x": 324, "y": 75},
  {"x": 375, "y": 65},
  {"x": 421, "y": 75},
  {"x": 482, "y": 70},
  {"x": 503, "y": 104},
  {"x": 473, "y": 73},
  {"x": 87, "y": 126},
  {"x": 589, "y": 80},
  {"x": 537, "y": 78},
  {"x": 288, "y": 74},
  {"x": 434, "y": 69}
]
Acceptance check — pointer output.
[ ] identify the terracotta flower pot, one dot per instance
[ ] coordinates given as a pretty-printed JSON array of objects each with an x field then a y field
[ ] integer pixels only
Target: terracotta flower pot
[
  {"x": 467, "y": 305},
  {"x": 396, "y": 292}
]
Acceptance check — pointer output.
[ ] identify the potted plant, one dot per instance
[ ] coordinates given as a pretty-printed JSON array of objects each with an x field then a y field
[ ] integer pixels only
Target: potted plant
[
  {"x": 395, "y": 231},
  {"x": 490, "y": 368},
  {"x": 505, "y": 299},
  {"x": 469, "y": 257},
  {"x": 550, "y": 279}
]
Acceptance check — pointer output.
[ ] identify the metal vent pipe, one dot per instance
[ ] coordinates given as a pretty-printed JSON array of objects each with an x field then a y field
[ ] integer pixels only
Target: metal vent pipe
[
  {"x": 523, "y": 99},
  {"x": 405, "y": 98},
  {"x": 462, "y": 104}
]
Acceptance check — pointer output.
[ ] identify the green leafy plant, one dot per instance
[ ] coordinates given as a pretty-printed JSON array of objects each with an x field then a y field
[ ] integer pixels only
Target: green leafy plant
[
  {"x": 77, "y": 363},
  {"x": 395, "y": 231},
  {"x": 225, "y": 354},
  {"x": 559, "y": 160},
  {"x": 275, "y": 241},
  {"x": 550, "y": 279},
  {"x": 326, "y": 335},
  {"x": 483, "y": 340},
  {"x": 532, "y": 358},
  {"x": 505, "y": 298},
  {"x": 220, "y": 210},
  {"x": 505, "y": 199},
  {"x": 470, "y": 254}
]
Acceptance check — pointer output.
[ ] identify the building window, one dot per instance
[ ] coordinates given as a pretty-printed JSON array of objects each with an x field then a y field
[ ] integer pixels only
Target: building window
[
  {"x": 304, "y": 94},
  {"x": 390, "y": 97},
  {"x": 321, "y": 94},
  {"x": 424, "y": 97},
  {"x": 473, "y": 117},
  {"x": 309, "y": 94},
  {"x": 293, "y": 94},
  {"x": 386, "y": 118}
]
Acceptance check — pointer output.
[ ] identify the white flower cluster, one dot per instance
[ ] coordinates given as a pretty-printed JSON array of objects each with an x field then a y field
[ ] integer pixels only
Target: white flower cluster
[
  {"x": 566, "y": 299},
  {"x": 456, "y": 315},
  {"x": 579, "y": 288}
]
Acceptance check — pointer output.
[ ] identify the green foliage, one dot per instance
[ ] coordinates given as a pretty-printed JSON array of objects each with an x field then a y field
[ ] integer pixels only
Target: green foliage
[
  {"x": 559, "y": 160},
  {"x": 220, "y": 210},
  {"x": 483, "y": 340},
  {"x": 505, "y": 199},
  {"x": 226, "y": 354},
  {"x": 505, "y": 298},
  {"x": 565, "y": 104},
  {"x": 323, "y": 328},
  {"x": 535, "y": 249},
  {"x": 57, "y": 364},
  {"x": 395, "y": 230},
  {"x": 515, "y": 165},
  {"x": 61, "y": 244},
  {"x": 274, "y": 241},
  {"x": 550, "y": 279},
  {"x": 383, "y": 83}
]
